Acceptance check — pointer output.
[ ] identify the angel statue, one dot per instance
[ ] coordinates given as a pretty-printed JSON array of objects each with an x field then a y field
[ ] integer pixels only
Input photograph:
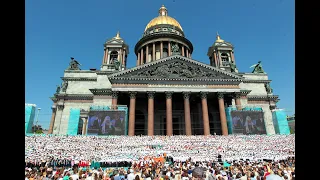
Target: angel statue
[
  {"x": 64, "y": 86},
  {"x": 232, "y": 66},
  {"x": 58, "y": 89},
  {"x": 257, "y": 68},
  {"x": 175, "y": 49},
  {"x": 74, "y": 64},
  {"x": 117, "y": 64},
  {"x": 268, "y": 88}
]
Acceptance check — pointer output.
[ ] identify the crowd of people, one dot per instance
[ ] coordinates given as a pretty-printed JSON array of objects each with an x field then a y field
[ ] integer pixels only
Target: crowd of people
[{"x": 156, "y": 157}]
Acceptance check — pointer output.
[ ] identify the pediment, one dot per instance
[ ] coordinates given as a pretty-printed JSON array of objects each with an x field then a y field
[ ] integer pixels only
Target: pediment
[
  {"x": 115, "y": 42},
  {"x": 223, "y": 44},
  {"x": 175, "y": 68}
]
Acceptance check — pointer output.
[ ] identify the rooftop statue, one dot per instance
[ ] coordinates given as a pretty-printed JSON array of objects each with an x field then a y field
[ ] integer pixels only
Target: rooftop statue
[
  {"x": 117, "y": 64},
  {"x": 64, "y": 86},
  {"x": 232, "y": 66},
  {"x": 58, "y": 89},
  {"x": 175, "y": 49},
  {"x": 74, "y": 64},
  {"x": 257, "y": 68},
  {"x": 268, "y": 88}
]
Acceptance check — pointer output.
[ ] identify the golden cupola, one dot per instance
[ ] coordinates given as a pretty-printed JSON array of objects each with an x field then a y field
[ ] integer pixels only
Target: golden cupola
[
  {"x": 163, "y": 37},
  {"x": 164, "y": 19}
]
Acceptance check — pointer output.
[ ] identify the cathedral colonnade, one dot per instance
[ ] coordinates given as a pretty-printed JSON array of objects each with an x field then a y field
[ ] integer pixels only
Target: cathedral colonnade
[
  {"x": 155, "y": 50},
  {"x": 169, "y": 104}
]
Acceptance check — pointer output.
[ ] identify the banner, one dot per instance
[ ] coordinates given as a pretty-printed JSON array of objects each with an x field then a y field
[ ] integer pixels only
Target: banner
[{"x": 73, "y": 122}]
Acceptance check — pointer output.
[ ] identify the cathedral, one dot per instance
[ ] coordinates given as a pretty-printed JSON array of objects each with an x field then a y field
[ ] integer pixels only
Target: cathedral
[{"x": 167, "y": 92}]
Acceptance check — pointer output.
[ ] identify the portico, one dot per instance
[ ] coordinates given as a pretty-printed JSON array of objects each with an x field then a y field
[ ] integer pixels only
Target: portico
[
  {"x": 189, "y": 100},
  {"x": 176, "y": 113}
]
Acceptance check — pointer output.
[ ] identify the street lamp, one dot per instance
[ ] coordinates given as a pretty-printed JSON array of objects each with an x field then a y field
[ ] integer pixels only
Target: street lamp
[{"x": 37, "y": 120}]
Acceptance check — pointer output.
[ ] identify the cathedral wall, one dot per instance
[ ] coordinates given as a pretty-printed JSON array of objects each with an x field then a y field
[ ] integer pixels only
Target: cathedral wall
[
  {"x": 80, "y": 87},
  {"x": 57, "y": 121},
  {"x": 102, "y": 100},
  {"x": 268, "y": 118},
  {"x": 62, "y": 117},
  {"x": 82, "y": 73},
  {"x": 103, "y": 82},
  {"x": 243, "y": 101},
  {"x": 252, "y": 76},
  {"x": 256, "y": 88}
]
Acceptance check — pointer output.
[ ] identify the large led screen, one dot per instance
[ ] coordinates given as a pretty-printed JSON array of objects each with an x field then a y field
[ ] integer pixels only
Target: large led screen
[
  {"x": 111, "y": 122},
  {"x": 248, "y": 122}
]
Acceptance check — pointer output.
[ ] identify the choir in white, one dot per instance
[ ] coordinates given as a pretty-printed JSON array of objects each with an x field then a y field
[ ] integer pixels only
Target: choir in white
[
  {"x": 244, "y": 157},
  {"x": 123, "y": 148}
]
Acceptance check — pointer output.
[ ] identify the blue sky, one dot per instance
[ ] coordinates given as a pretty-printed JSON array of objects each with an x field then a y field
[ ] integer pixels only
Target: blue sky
[{"x": 57, "y": 30}]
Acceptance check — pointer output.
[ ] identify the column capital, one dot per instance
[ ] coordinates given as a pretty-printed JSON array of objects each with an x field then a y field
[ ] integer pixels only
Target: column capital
[
  {"x": 132, "y": 94},
  {"x": 186, "y": 95},
  {"x": 203, "y": 95},
  {"x": 151, "y": 94},
  {"x": 168, "y": 94},
  {"x": 237, "y": 95},
  {"x": 220, "y": 95},
  {"x": 114, "y": 94}
]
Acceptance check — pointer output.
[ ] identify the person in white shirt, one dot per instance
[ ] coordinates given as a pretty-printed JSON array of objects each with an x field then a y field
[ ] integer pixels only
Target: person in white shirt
[
  {"x": 75, "y": 175},
  {"x": 131, "y": 176}
]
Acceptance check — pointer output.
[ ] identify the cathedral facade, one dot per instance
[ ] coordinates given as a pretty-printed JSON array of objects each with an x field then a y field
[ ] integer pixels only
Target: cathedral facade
[{"x": 167, "y": 92}]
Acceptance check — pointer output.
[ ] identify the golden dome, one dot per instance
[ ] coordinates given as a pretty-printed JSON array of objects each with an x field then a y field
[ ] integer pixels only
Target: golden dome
[
  {"x": 218, "y": 38},
  {"x": 163, "y": 18}
]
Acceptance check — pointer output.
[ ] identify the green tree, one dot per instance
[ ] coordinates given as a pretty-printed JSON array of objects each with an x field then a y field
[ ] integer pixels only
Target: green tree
[{"x": 37, "y": 129}]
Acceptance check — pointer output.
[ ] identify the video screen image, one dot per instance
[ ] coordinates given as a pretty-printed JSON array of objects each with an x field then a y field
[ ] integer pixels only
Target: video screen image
[
  {"x": 106, "y": 123},
  {"x": 248, "y": 122}
]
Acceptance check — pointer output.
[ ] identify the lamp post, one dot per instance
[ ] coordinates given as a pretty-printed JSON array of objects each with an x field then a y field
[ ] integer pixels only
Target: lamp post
[{"x": 37, "y": 120}]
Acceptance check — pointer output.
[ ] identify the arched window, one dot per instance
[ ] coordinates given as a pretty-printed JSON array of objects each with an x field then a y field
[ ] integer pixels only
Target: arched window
[
  {"x": 224, "y": 59},
  {"x": 113, "y": 56}
]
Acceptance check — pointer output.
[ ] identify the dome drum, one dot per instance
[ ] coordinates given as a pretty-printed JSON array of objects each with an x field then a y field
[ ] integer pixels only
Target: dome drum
[
  {"x": 152, "y": 48},
  {"x": 158, "y": 37},
  {"x": 163, "y": 28},
  {"x": 164, "y": 40}
]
